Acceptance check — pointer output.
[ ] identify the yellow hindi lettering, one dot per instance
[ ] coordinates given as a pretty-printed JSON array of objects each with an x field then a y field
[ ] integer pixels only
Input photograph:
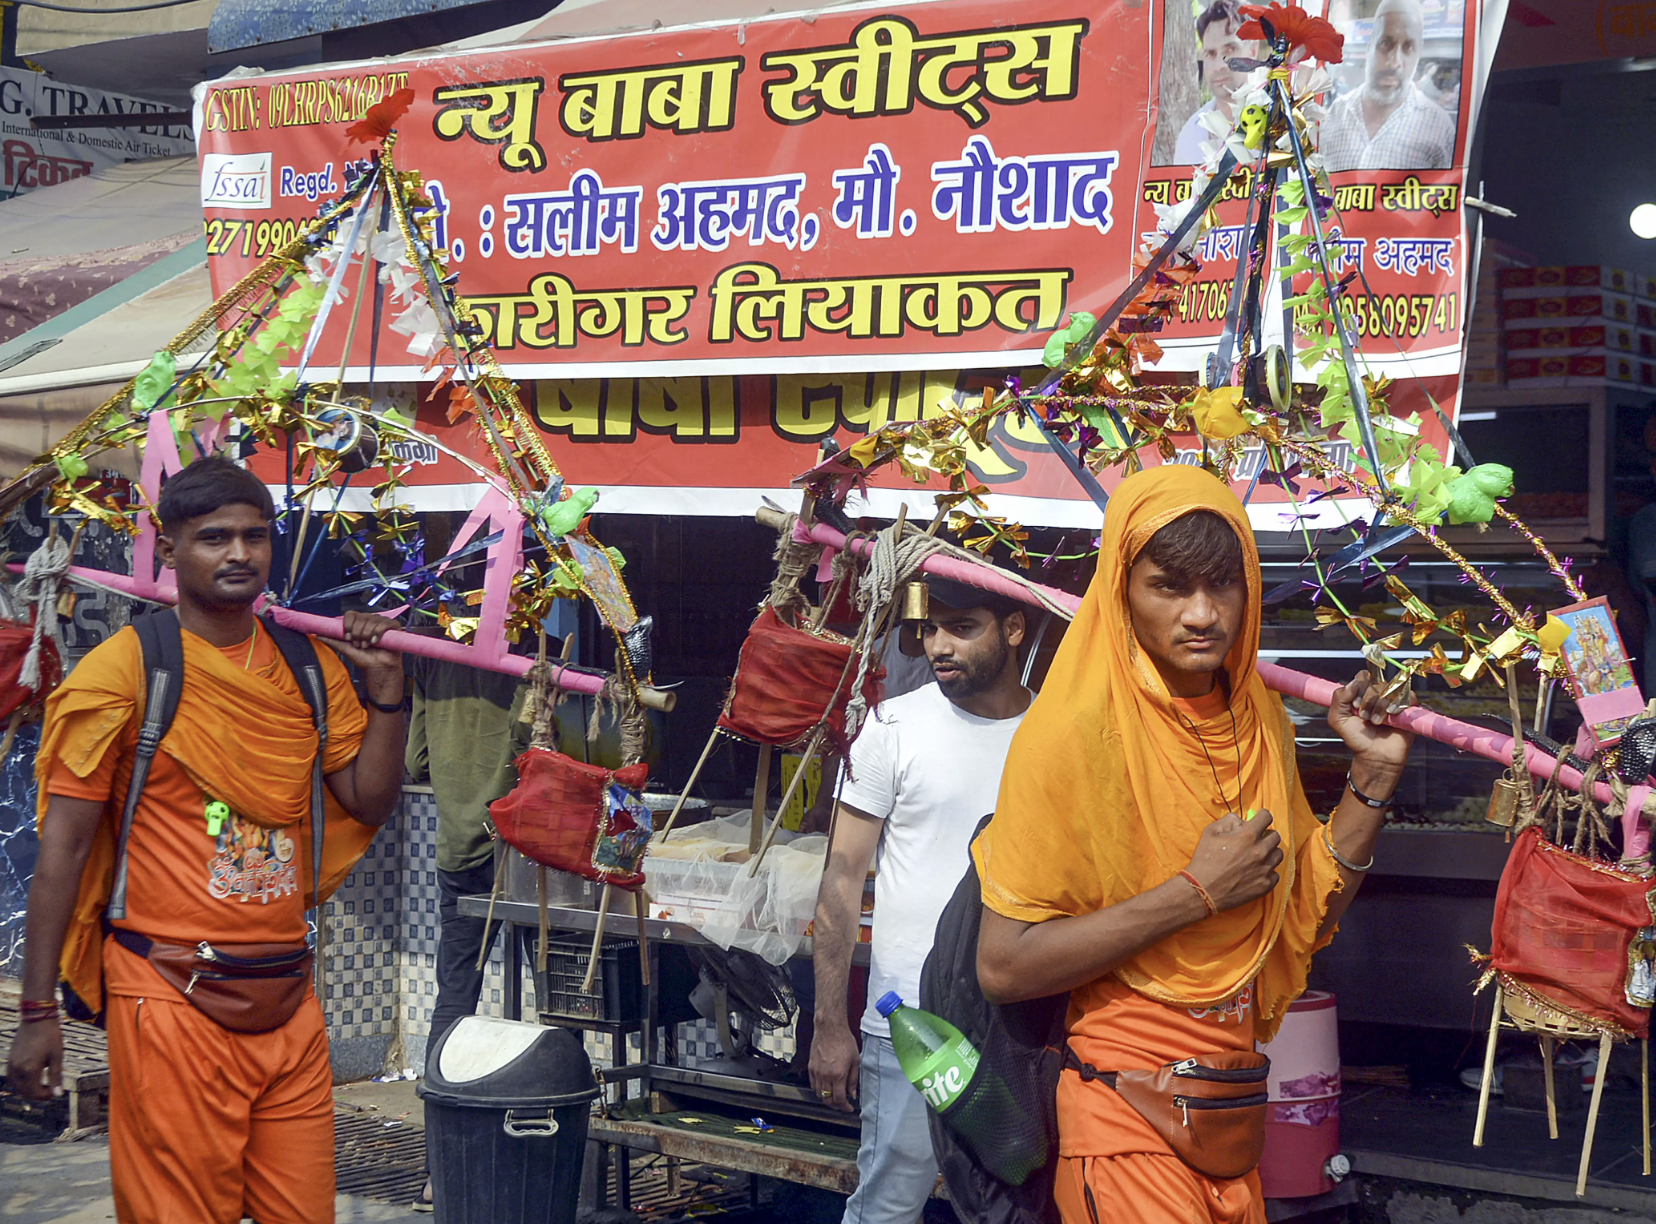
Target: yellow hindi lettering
[
  {"x": 1354, "y": 197},
  {"x": 699, "y": 96},
  {"x": 494, "y": 112},
  {"x": 751, "y": 302},
  {"x": 570, "y": 405},
  {"x": 1403, "y": 196},
  {"x": 886, "y": 67}
]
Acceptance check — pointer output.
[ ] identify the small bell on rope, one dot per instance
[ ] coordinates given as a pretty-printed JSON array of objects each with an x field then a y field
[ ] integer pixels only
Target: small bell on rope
[
  {"x": 1504, "y": 801},
  {"x": 916, "y": 601}
]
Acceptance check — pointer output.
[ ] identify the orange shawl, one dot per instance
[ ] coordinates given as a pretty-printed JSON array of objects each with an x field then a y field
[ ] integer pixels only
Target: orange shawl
[
  {"x": 241, "y": 737},
  {"x": 1107, "y": 789}
]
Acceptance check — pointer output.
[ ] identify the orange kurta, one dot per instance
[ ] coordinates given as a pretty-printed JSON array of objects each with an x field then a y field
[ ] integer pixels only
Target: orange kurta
[
  {"x": 1108, "y": 786},
  {"x": 205, "y": 1123}
]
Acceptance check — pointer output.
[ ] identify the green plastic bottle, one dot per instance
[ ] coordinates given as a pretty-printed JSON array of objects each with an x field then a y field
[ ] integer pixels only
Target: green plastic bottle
[{"x": 935, "y": 1057}]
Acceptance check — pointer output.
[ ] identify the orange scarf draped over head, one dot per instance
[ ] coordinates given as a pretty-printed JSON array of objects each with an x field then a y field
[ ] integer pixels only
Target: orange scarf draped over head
[{"x": 1109, "y": 782}]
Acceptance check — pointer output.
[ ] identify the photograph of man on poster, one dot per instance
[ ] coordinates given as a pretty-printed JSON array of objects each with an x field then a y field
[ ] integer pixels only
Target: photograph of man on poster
[
  {"x": 1399, "y": 96},
  {"x": 1217, "y": 43},
  {"x": 1396, "y": 97}
]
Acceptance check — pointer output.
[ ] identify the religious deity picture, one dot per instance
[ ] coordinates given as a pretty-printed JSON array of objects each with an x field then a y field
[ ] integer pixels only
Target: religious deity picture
[{"x": 1599, "y": 669}]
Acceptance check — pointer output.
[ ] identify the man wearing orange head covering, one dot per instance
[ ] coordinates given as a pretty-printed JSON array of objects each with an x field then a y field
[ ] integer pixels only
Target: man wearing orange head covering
[
  {"x": 207, "y": 1123},
  {"x": 1121, "y": 864}
]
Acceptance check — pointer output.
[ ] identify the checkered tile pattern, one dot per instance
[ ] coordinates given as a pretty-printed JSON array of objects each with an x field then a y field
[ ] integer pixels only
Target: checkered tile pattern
[{"x": 381, "y": 979}]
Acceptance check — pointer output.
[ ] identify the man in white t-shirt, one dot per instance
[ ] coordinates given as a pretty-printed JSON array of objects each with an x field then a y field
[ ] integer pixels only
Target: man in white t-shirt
[{"x": 924, "y": 771}]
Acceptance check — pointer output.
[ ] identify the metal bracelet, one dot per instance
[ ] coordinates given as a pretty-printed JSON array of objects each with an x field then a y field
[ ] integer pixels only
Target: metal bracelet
[
  {"x": 1366, "y": 800},
  {"x": 1328, "y": 843}
]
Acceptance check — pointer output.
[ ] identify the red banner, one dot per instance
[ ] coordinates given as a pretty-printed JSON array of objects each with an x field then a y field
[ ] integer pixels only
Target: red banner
[{"x": 900, "y": 188}]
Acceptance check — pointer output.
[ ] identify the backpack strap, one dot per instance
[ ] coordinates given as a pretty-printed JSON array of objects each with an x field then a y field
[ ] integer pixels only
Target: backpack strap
[
  {"x": 163, "y": 648},
  {"x": 300, "y": 653}
]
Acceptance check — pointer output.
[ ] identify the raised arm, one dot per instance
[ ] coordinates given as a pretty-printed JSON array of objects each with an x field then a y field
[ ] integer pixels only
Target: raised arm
[{"x": 369, "y": 786}]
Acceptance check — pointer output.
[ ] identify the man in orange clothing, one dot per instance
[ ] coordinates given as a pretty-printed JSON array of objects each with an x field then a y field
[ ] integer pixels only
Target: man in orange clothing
[
  {"x": 207, "y": 1124},
  {"x": 1153, "y": 852}
]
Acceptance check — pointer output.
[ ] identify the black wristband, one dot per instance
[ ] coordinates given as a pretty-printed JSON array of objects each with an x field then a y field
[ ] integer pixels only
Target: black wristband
[
  {"x": 1366, "y": 800},
  {"x": 384, "y": 708}
]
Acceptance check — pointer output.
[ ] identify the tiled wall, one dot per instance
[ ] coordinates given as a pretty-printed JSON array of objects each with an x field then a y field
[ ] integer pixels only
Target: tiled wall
[{"x": 381, "y": 979}]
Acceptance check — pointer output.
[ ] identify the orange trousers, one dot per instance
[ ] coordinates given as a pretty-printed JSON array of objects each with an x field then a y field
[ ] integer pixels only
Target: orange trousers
[
  {"x": 1152, "y": 1189},
  {"x": 207, "y": 1125}
]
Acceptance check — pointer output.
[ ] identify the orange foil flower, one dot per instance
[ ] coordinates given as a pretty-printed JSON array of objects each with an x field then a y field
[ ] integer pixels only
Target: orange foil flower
[
  {"x": 381, "y": 117},
  {"x": 1312, "y": 35}
]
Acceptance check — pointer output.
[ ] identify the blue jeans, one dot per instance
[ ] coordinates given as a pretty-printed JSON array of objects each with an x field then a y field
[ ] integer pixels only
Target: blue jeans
[{"x": 895, "y": 1166}]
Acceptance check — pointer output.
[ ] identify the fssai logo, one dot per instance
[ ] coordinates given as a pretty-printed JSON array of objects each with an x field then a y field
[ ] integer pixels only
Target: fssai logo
[{"x": 235, "y": 180}]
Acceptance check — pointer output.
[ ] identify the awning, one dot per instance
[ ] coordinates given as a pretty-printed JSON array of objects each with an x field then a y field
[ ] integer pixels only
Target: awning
[
  {"x": 60, "y": 246},
  {"x": 253, "y": 23},
  {"x": 61, "y": 371}
]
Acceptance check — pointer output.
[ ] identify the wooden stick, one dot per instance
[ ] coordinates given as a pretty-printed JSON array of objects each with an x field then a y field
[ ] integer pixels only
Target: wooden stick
[
  {"x": 488, "y": 923},
  {"x": 12, "y": 724},
  {"x": 694, "y": 774},
  {"x": 787, "y": 797},
  {"x": 1552, "y": 1099},
  {"x": 1488, "y": 1069},
  {"x": 1644, "y": 1083},
  {"x": 597, "y": 939},
  {"x": 540, "y": 889},
  {"x": 761, "y": 785},
  {"x": 1592, "y": 1114},
  {"x": 640, "y": 905}
]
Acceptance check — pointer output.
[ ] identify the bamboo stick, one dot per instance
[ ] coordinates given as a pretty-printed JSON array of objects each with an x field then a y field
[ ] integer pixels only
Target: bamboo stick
[
  {"x": 540, "y": 890},
  {"x": 1552, "y": 1097},
  {"x": 488, "y": 922},
  {"x": 787, "y": 797},
  {"x": 694, "y": 774},
  {"x": 1592, "y": 1114},
  {"x": 640, "y": 904},
  {"x": 1644, "y": 1083},
  {"x": 597, "y": 939},
  {"x": 1488, "y": 1069},
  {"x": 761, "y": 785}
]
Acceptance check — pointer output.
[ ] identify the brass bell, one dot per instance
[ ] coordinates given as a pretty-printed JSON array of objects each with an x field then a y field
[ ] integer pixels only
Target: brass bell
[
  {"x": 916, "y": 601},
  {"x": 1503, "y": 802}
]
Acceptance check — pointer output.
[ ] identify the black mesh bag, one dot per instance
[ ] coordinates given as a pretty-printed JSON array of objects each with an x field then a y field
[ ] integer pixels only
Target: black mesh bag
[{"x": 997, "y": 1143}]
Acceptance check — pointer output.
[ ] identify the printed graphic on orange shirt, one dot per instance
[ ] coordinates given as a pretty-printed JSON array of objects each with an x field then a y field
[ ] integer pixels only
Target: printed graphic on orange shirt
[
  {"x": 251, "y": 863},
  {"x": 1236, "y": 1009}
]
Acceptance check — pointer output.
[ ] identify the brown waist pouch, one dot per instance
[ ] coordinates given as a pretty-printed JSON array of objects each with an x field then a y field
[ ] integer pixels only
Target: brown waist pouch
[
  {"x": 247, "y": 988},
  {"x": 1211, "y": 1110}
]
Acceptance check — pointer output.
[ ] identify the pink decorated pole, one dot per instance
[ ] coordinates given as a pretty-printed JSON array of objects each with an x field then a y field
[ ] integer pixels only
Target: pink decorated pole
[
  {"x": 1459, "y": 735},
  {"x": 984, "y": 577}
]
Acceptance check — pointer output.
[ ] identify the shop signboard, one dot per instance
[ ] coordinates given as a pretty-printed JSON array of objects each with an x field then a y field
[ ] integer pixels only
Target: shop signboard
[
  {"x": 44, "y": 157},
  {"x": 802, "y": 218}
]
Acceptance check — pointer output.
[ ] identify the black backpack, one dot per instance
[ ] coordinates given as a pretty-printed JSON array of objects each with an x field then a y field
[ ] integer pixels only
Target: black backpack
[
  {"x": 161, "y": 640},
  {"x": 997, "y": 1144}
]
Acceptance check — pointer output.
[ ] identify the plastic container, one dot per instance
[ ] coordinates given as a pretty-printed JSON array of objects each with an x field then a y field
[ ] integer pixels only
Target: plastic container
[
  {"x": 617, "y": 994},
  {"x": 1302, "y": 1120},
  {"x": 506, "y": 1108}
]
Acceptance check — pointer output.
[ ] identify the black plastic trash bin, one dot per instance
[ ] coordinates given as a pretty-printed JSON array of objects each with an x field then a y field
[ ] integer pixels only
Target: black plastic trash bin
[{"x": 506, "y": 1108}]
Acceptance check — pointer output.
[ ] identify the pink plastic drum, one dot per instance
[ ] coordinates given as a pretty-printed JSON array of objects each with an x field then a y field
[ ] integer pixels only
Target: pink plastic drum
[{"x": 1302, "y": 1122}]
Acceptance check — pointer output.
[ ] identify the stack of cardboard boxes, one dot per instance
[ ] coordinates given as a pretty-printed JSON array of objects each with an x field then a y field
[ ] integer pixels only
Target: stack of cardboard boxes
[{"x": 1577, "y": 325}]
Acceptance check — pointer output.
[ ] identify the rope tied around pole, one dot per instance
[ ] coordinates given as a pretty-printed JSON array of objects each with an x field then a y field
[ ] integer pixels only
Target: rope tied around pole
[
  {"x": 43, "y": 575},
  {"x": 794, "y": 559},
  {"x": 889, "y": 563},
  {"x": 618, "y": 698}
]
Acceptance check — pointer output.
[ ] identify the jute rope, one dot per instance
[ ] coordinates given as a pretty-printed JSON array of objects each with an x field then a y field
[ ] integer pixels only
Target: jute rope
[{"x": 43, "y": 575}]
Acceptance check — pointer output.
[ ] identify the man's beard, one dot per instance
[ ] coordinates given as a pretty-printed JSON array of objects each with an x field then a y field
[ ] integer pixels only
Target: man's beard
[
  {"x": 1388, "y": 96},
  {"x": 976, "y": 676}
]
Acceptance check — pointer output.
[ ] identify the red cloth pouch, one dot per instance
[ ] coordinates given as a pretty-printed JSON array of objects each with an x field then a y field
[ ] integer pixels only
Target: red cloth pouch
[{"x": 579, "y": 818}]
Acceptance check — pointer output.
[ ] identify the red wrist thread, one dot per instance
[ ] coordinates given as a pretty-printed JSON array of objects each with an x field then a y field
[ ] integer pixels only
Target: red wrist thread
[
  {"x": 31, "y": 1010},
  {"x": 1201, "y": 892}
]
